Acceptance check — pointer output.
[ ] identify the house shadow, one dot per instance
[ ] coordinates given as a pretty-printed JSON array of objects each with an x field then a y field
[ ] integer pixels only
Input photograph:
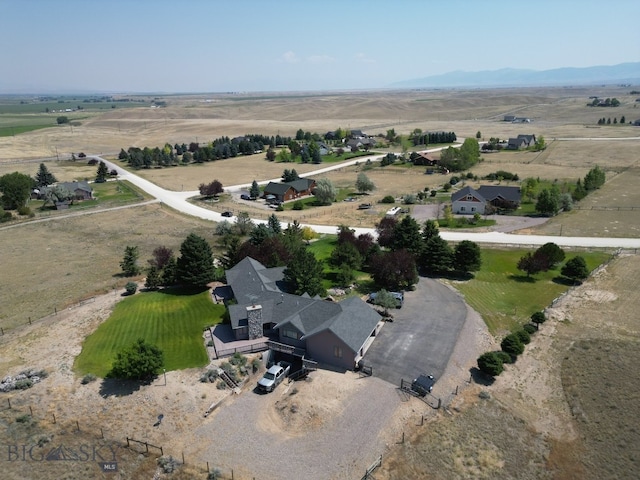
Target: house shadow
[
  {"x": 481, "y": 378},
  {"x": 522, "y": 279},
  {"x": 115, "y": 387}
]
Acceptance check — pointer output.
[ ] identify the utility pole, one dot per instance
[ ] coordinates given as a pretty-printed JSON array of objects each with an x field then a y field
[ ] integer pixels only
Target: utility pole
[{"x": 57, "y": 156}]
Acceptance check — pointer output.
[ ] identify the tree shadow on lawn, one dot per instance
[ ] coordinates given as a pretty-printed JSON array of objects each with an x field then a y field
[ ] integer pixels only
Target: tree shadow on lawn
[
  {"x": 522, "y": 278},
  {"x": 182, "y": 291},
  {"x": 560, "y": 280},
  {"x": 115, "y": 387}
]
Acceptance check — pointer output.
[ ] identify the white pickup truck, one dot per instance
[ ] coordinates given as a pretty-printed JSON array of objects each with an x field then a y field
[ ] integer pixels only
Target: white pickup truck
[{"x": 274, "y": 376}]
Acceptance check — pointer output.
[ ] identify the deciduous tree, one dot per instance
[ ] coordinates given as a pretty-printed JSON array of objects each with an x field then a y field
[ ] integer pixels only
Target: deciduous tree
[
  {"x": 16, "y": 189},
  {"x": 364, "y": 184},
  {"x": 325, "y": 191},
  {"x": 140, "y": 361},
  {"x": 394, "y": 270}
]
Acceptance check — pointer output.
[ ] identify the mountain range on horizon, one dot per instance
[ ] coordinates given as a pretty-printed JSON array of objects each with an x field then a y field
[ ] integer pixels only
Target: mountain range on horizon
[{"x": 623, "y": 73}]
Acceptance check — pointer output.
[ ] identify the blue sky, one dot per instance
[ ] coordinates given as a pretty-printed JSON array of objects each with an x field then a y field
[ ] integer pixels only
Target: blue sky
[{"x": 268, "y": 45}]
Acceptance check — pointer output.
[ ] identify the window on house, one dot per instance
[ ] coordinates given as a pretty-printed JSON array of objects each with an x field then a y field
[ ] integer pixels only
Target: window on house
[
  {"x": 462, "y": 209},
  {"x": 473, "y": 209},
  {"x": 337, "y": 351},
  {"x": 290, "y": 333},
  {"x": 469, "y": 198}
]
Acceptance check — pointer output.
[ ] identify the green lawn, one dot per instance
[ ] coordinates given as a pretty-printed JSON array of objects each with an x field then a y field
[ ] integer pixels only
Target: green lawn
[
  {"x": 173, "y": 320},
  {"x": 322, "y": 249},
  {"x": 17, "y": 130},
  {"x": 505, "y": 297}
]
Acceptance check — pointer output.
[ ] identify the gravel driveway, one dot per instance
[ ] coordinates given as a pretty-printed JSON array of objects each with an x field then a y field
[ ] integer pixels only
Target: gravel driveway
[{"x": 343, "y": 447}]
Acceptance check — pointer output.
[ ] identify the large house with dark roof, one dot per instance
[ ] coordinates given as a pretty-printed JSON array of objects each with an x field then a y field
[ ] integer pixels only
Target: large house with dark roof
[
  {"x": 335, "y": 334},
  {"x": 486, "y": 198},
  {"x": 521, "y": 141},
  {"x": 283, "y": 192}
]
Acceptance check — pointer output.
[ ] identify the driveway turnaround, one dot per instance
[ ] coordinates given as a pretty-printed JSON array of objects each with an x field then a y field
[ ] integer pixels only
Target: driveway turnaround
[{"x": 422, "y": 336}]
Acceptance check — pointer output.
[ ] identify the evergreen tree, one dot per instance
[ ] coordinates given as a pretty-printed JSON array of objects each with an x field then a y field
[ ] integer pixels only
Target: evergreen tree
[
  {"x": 254, "y": 192},
  {"x": 274, "y": 224},
  {"x": 169, "y": 275},
  {"x": 153, "y": 278},
  {"x": 548, "y": 202},
  {"x": 437, "y": 256},
  {"x": 575, "y": 269},
  {"x": 466, "y": 257},
  {"x": 195, "y": 264},
  {"x": 304, "y": 274},
  {"x": 430, "y": 230},
  {"x": 406, "y": 235},
  {"x": 44, "y": 177},
  {"x": 129, "y": 263},
  {"x": 102, "y": 173}
]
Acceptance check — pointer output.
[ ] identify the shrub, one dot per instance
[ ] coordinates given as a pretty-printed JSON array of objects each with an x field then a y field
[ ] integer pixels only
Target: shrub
[
  {"x": 5, "y": 216},
  {"x": 454, "y": 180},
  {"x": 446, "y": 187},
  {"x": 388, "y": 199},
  {"x": 280, "y": 208},
  {"x": 433, "y": 193},
  {"x": 238, "y": 360},
  {"x": 168, "y": 464},
  {"x": 221, "y": 385},
  {"x": 512, "y": 345},
  {"x": 255, "y": 364},
  {"x": 24, "y": 418},
  {"x": 209, "y": 376},
  {"x": 409, "y": 199},
  {"x": 530, "y": 329},
  {"x": 490, "y": 364},
  {"x": 538, "y": 318},
  {"x": 23, "y": 384},
  {"x": 504, "y": 356},
  {"x": 131, "y": 288},
  {"x": 524, "y": 336},
  {"x": 298, "y": 205},
  {"x": 25, "y": 211},
  {"x": 88, "y": 378}
]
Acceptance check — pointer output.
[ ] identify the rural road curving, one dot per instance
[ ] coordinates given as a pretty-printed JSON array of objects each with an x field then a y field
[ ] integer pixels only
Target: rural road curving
[{"x": 178, "y": 201}]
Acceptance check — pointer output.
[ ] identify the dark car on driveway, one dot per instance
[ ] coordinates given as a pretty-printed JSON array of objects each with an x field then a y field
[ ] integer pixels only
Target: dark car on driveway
[
  {"x": 227, "y": 214},
  {"x": 423, "y": 384}
]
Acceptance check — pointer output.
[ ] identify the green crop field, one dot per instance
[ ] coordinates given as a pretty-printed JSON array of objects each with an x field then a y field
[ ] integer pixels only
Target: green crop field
[
  {"x": 171, "y": 319},
  {"x": 505, "y": 296}
]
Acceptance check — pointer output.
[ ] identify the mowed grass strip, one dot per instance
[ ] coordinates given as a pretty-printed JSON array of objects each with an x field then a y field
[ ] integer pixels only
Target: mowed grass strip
[
  {"x": 505, "y": 297},
  {"x": 173, "y": 320}
]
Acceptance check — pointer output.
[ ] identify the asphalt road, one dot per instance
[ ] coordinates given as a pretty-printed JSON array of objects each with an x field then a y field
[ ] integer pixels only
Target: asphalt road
[
  {"x": 178, "y": 201},
  {"x": 422, "y": 336}
]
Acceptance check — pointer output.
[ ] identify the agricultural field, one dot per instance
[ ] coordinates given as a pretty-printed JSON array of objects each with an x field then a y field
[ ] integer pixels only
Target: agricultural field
[{"x": 539, "y": 419}]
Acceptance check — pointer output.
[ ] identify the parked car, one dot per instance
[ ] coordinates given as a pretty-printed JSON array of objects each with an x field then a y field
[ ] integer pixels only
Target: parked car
[
  {"x": 423, "y": 384},
  {"x": 227, "y": 214},
  {"x": 364, "y": 206},
  {"x": 244, "y": 196},
  {"x": 274, "y": 376}
]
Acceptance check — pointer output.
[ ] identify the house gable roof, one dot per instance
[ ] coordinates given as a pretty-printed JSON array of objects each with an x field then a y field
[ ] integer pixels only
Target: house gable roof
[
  {"x": 353, "y": 325},
  {"x": 276, "y": 188},
  {"x": 493, "y": 192},
  {"x": 301, "y": 184},
  {"x": 463, "y": 192},
  {"x": 351, "y": 320}
]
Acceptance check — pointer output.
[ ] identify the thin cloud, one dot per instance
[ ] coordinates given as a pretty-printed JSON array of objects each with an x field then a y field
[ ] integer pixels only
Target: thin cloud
[
  {"x": 362, "y": 58},
  {"x": 321, "y": 59},
  {"x": 289, "y": 57}
]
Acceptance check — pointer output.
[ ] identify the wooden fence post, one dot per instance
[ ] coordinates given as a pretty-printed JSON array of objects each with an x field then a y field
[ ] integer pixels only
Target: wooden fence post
[
  {"x": 54, "y": 418},
  {"x": 183, "y": 458},
  {"x": 101, "y": 433},
  {"x": 30, "y": 410},
  {"x": 207, "y": 467},
  {"x": 77, "y": 425},
  {"x": 9, "y": 402},
  {"x": 146, "y": 445},
  {"x": 127, "y": 442}
]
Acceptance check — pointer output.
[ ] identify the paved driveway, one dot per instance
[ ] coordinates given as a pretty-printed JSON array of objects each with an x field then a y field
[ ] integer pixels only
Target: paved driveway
[{"x": 422, "y": 336}]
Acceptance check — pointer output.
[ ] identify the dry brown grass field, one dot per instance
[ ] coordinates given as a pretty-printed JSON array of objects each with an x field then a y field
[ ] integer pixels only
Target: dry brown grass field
[
  {"x": 567, "y": 409},
  {"x": 543, "y": 419}
]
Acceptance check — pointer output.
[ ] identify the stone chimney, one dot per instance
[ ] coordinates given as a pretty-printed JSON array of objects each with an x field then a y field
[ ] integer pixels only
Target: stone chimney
[{"x": 254, "y": 320}]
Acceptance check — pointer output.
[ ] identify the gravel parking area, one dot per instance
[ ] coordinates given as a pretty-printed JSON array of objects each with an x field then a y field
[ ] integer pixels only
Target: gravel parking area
[{"x": 286, "y": 434}]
